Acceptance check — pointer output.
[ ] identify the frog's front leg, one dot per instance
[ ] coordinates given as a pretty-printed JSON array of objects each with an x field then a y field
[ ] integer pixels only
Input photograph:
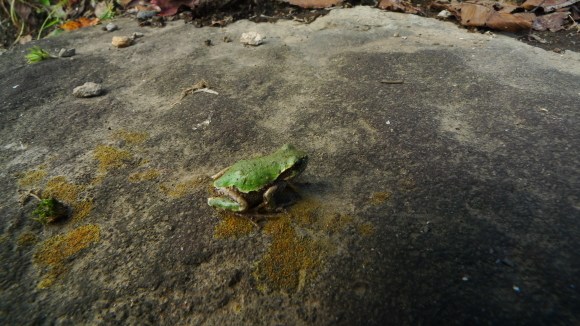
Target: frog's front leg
[
  {"x": 219, "y": 174},
  {"x": 269, "y": 203}
]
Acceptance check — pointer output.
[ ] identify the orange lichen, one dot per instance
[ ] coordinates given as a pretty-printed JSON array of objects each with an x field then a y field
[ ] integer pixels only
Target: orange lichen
[
  {"x": 232, "y": 226},
  {"x": 147, "y": 175},
  {"x": 379, "y": 197},
  {"x": 366, "y": 229},
  {"x": 30, "y": 178},
  {"x": 335, "y": 222},
  {"x": 131, "y": 138},
  {"x": 55, "y": 251},
  {"x": 288, "y": 259},
  {"x": 110, "y": 157}
]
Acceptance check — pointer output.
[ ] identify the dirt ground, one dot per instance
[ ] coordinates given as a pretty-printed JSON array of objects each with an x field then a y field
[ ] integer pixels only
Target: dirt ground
[{"x": 442, "y": 184}]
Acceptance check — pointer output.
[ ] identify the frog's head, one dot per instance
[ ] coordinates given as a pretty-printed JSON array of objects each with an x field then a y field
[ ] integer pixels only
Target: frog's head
[{"x": 296, "y": 161}]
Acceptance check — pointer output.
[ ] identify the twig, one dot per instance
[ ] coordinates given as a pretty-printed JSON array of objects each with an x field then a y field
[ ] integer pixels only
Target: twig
[
  {"x": 541, "y": 3},
  {"x": 384, "y": 81},
  {"x": 562, "y": 5}
]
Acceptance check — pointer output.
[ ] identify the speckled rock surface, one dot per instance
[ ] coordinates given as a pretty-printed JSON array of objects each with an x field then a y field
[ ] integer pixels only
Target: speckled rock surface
[{"x": 450, "y": 198}]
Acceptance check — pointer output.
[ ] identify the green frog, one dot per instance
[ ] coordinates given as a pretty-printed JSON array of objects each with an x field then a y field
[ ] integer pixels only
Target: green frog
[{"x": 250, "y": 185}]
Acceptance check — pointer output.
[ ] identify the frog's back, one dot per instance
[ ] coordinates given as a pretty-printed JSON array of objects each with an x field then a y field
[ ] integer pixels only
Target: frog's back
[{"x": 250, "y": 175}]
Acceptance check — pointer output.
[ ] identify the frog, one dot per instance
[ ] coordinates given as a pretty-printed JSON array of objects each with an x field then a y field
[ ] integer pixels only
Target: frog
[{"x": 249, "y": 185}]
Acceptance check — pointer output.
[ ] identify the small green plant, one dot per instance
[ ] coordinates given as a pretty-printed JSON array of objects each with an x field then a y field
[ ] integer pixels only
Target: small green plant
[
  {"x": 51, "y": 19},
  {"x": 49, "y": 210},
  {"x": 38, "y": 54},
  {"x": 109, "y": 13}
]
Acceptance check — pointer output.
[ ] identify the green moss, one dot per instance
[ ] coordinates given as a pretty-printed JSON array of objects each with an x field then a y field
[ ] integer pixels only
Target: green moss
[
  {"x": 70, "y": 194},
  {"x": 49, "y": 210}
]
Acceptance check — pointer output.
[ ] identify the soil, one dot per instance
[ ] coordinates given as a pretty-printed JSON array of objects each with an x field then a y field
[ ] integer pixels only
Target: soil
[{"x": 450, "y": 197}]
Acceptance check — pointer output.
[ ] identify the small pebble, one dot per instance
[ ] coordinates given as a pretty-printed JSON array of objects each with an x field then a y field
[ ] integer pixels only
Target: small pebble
[
  {"x": 396, "y": 35},
  {"x": 145, "y": 14},
  {"x": 517, "y": 289},
  {"x": 557, "y": 50},
  {"x": 110, "y": 27},
  {"x": 121, "y": 41},
  {"x": 66, "y": 53},
  {"x": 88, "y": 90},
  {"x": 137, "y": 35},
  {"x": 251, "y": 38}
]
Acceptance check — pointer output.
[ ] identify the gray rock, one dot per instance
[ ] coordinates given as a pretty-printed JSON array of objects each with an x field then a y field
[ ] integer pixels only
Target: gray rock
[
  {"x": 66, "y": 53},
  {"x": 88, "y": 90},
  {"x": 145, "y": 14},
  {"x": 111, "y": 27}
]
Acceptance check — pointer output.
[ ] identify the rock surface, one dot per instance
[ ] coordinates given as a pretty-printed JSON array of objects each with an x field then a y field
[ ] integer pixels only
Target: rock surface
[{"x": 413, "y": 192}]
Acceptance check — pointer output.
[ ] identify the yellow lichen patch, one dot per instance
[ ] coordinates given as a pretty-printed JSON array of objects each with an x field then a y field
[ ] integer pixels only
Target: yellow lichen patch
[
  {"x": 379, "y": 197},
  {"x": 110, "y": 157},
  {"x": 288, "y": 260},
  {"x": 131, "y": 138},
  {"x": 232, "y": 226},
  {"x": 335, "y": 222},
  {"x": 305, "y": 212},
  {"x": 81, "y": 209},
  {"x": 56, "y": 250},
  {"x": 147, "y": 175},
  {"x": 62, "y": 190},
  {"x": 27, "y": 239},
  {"x": 366, "y": 229},
  {"x": 30, "y": 178},
  {"x": 182, "y": 189}
]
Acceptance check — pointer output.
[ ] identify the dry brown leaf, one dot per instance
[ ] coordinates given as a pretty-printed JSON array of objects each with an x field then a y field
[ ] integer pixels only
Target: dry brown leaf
[
  {"x": 508, "y": 22},
  {"x": 491, "y": 14},
  {"x": 399, "y": 6},
  {"x": 554, "y": 22},
  {"x": 531, "y": 4}
]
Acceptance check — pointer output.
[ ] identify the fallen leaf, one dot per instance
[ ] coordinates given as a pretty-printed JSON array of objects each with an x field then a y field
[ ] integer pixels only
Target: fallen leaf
[
  {"x": 554, "y": 22},
  {"x": 490, "y": 14},
  {"x": 314, "y": 3},
  {"x": 531, "y": 4},
  {"x": 80, "y": 23},
  {"x": 508, "y": 22},
  {"x": 399, "y": 6}
]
